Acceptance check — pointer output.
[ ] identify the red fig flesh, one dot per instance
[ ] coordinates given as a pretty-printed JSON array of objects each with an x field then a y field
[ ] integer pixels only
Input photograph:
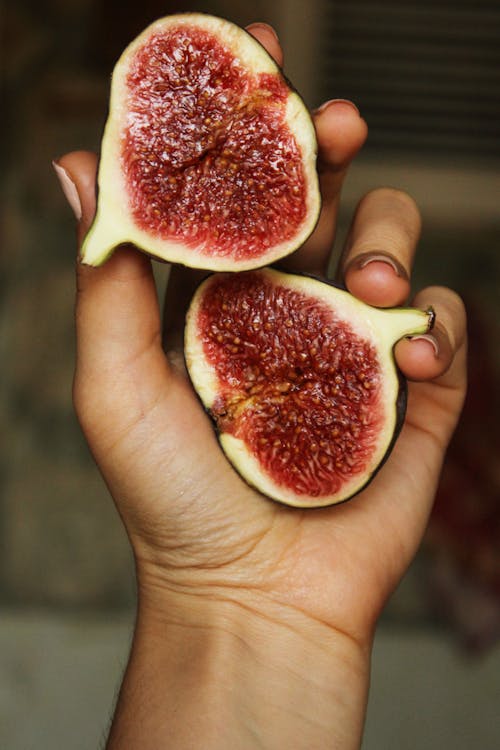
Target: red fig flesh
[
  {"x": 300, "y": 380},
  {"x": 208, "y": 157}
]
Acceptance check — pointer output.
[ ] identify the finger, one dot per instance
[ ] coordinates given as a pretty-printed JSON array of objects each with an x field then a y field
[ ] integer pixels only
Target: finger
[
  {"x": 403, "y": 492},
  {"x": 341, "y": 132},
  {"x": 438, "y": 354},
  {"x": 380, "y": 248},
  {"x": 117, "y": 313},
  {"x": 434, "y": 406},
  {"x": 266, "y": 35}
]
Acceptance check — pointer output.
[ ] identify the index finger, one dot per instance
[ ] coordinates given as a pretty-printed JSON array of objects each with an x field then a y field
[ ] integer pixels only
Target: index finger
[
  {"x": 341, "y": 132},
  {"x": 117, "y": 313}
]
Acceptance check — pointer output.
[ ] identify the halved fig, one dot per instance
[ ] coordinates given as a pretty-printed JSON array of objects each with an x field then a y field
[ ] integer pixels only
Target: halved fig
[
  {"x": 300, "y": 380},
  {"x": 208, "y": 157}
]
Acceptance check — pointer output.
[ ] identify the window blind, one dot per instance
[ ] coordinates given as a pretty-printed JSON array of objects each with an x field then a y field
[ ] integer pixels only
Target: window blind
[{"x": 425, "y": 75}]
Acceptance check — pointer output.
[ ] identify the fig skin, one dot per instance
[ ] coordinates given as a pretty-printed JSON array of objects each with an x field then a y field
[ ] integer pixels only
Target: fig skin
[
  {"x": 201, "y": 237},
  {"x": 239, "y": 407}
]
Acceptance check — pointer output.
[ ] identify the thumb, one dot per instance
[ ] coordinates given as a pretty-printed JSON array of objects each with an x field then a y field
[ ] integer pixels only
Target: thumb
[
  {"x": 77, "y": 173},
  {"x": 120, "y": 363},
  {"x": 148, "y": 433}
]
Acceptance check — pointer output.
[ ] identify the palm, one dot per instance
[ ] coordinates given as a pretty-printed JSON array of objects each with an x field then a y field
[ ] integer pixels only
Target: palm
[{"x": 188, "y": 511}]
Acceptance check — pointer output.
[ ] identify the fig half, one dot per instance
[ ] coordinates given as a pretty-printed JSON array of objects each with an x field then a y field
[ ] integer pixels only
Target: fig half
[
  {"x": 208, "y": 157},
  {"x": 300, "y": 380}
]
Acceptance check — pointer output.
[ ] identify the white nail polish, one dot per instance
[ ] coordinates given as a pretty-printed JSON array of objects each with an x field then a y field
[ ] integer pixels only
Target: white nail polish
[
  {"x": 69, "y": 190},
  {"x": 327, "y": 104},
  {"x": 379, "y": 258},
  {"x": 430, "y": 339}
]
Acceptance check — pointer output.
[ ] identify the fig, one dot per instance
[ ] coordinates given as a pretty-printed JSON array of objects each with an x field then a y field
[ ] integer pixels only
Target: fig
[
  {"x": 300, "y": 380},
  {"x": 208, "y": 156}
]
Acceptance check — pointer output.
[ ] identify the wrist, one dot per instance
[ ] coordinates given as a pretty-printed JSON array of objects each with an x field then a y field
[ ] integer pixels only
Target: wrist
[{"x": 240, "y": 670}]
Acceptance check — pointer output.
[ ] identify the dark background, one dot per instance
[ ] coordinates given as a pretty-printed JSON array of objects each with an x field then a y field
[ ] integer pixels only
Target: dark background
[{"x": 426, "y": 77}]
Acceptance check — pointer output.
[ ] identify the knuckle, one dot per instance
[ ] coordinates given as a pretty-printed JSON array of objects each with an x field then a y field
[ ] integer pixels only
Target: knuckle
[
  {"x": 447, "y": 298},
  {"x": 391, "y": 211},
  {"x": 394, "y": 200}
]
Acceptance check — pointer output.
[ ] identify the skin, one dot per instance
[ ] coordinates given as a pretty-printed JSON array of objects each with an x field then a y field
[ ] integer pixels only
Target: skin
[{"x": 255, "y": 621}]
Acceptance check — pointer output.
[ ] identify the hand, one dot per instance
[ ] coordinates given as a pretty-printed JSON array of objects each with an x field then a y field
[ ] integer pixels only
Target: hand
[{"x": 208, "y": 548}]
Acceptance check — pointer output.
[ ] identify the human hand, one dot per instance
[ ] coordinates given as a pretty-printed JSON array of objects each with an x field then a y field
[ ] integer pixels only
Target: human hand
[{"x": 208, "y": 548}]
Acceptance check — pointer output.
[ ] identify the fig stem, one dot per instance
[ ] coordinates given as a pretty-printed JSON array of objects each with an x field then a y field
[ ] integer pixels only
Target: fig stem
[
  {"x": 432, "y": 318},
  {"x": 396, "y": 323},
  {"x": 99, "y": 242}
]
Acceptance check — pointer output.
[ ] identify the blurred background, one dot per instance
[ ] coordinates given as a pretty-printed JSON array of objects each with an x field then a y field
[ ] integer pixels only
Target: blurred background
[{"x": 426, "y": 77}]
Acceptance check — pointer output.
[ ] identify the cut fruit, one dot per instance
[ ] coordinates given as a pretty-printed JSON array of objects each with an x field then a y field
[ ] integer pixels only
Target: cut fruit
[
  {"x": 300, "y": 380},
  {"x": 208, "y": 157}
]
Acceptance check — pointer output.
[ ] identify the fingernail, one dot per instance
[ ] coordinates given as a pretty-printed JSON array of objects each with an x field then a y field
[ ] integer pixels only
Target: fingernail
[
  {"x": 264, "y": 27},
  {"x": 331, "y": 102},
  {"x": 69, "y": 190},
  {"x": 427, "y": 337},
  {"x": 363, "y": 260}
]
